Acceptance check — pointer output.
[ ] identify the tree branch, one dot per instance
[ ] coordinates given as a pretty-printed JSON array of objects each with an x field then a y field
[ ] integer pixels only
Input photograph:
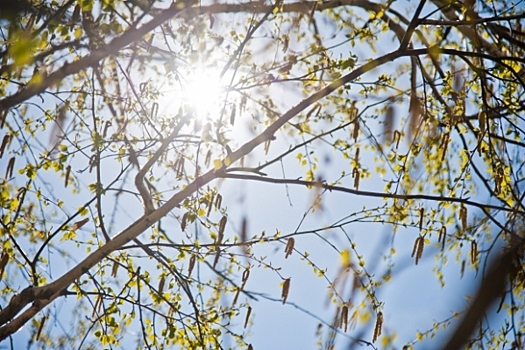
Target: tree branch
[
  {"x": 228, "y": 175},
  {"x": 91, "y": 60}
]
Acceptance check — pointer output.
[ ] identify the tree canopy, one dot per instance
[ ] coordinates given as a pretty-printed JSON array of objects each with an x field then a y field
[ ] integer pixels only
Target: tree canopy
[{"x": 174, "y": 169}]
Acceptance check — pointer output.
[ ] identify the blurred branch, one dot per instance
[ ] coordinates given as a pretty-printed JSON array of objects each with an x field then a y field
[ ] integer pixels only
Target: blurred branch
[{"x": 492, "y": 286}]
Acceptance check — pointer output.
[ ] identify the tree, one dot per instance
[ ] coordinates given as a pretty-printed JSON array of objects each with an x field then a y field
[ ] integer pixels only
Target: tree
[{"x": 372, "y": 132}]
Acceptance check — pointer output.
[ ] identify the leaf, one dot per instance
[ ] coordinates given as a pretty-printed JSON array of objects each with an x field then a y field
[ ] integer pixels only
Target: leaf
[{"x": 345, "y": 258}]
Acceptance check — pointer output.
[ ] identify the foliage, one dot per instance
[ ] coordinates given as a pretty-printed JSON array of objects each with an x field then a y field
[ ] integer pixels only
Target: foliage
[{"x": 115, "y": 201}]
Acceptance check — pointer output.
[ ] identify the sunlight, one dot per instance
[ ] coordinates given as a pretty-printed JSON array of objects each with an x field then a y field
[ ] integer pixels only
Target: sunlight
[{"x": 203, "y": 92}]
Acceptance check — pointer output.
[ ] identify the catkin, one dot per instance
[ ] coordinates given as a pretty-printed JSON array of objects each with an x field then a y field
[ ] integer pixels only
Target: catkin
[
  {"x": 218, "y": 201},
  {"x": 417, "y": 250},
  {"x": 114, "y": 269},
  {"x": 247, "y": 316},
  {"x": 289, "y": 247},
  {"x": 463, "y": 217},
  {"x": 222, "y": 226},
  {"x": 286, "y": 289},
  {"x": 161, "y": 284},
  {"x": 482, "y": 119},
  {"x": 68, "y": 172},
  {"x": 377, "y": 328},
  {"x": 210, "y": 205},
  {"x": 442, "y": 236},
  {"x": 10, "y": 167},
  {"x": 191, "y": 265},
  {"x": 184, "y": 222},
  {"x": 474, "y": 252},
  {"x": 343, "y": 320},
  {"x": 5, "y": 142},
  {"x": 421, "y": 217}
]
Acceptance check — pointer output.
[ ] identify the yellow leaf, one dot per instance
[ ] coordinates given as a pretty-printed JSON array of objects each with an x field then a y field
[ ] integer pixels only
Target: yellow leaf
[
  {"x": 78, "y": 33},
  {"x": 345, "y": 258}
]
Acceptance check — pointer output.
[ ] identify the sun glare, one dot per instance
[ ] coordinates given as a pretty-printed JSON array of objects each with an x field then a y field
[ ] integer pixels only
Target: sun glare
[{"x": 202, "y": 91}]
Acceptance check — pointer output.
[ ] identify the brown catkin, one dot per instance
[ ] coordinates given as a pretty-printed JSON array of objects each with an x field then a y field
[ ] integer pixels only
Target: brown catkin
[
  {"x": 377, "y": 328},
  {"x": 3, "y": 262},
  {"x": 68, "y": 172},
  {"x": 482, "y": 119},
  {"x": 92, "y": 162},
  {"x": 179, "y": 167},
  {"x": 232, "y": 115},
  {"x": 217, "y": 256},
  {"x": 191, "y": 264},
  {"x": 355, "y": 133},
  {"x": 289, "y": 247},
  {"x": 343, "y": 320},
  {"x": 417, "y": 250},
  {"x": 421, "y": 217},
  {"x": 444, "y": 145},
  {"x": 210, "y": 205},
  {"x": 154, "y": 107},
  {"x": 286, "y": 289},
  {"x": 463, "y": 217},
  {"x": 222, "y": 226},
  {"x": 356, "y": 175},
  {"x": 414, "y": 248},
  {"x": 420, "y": 248},
  {"x": 207, "y": 159},
  {"x": 244, "y": 233},
  {"x": 245, "y": 276},
  {"x": 96, "y": 307},
  {"x": 388, "y": 124},
  {"x": 10, "y": 167},
  {"x": 114, "y": 269},
  {"x": 184, "y": 222},
  {"x": 442, "y": 236},
  {"x": 5, "y": 142},
  {"x": 161, "y": 284},
  {"x": 78, "y": 224},
  {"x": 248, "y": 312},
  {"x": 218, "y": 201},
  {"x": 474, "y": 252},
  {"x": 480, "y": 143}
]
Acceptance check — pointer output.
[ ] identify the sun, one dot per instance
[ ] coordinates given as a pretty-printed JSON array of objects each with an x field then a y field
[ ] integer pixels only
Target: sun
[{"x": 203, "y": 92}]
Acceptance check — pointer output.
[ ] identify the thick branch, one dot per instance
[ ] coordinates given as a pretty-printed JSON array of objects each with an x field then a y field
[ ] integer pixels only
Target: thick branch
[{"x": 412, "y": 26}]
